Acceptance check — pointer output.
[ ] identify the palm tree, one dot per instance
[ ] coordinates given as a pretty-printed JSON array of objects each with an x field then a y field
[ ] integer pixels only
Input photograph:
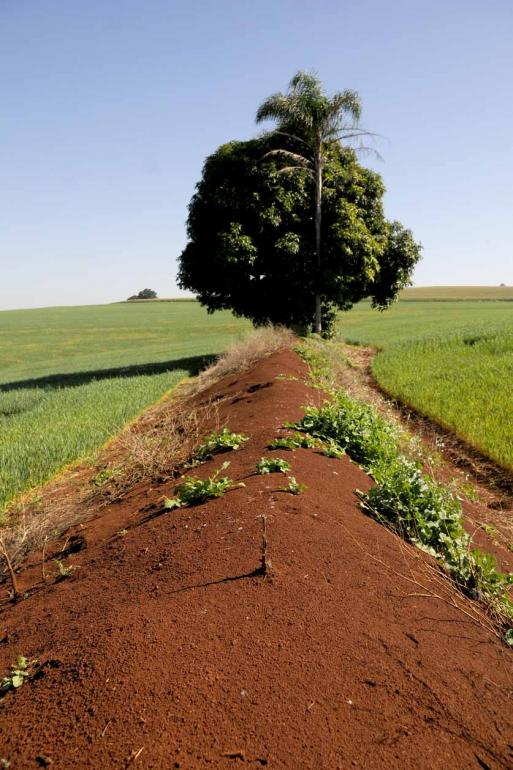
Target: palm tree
[{"x": 311, "y": 118}]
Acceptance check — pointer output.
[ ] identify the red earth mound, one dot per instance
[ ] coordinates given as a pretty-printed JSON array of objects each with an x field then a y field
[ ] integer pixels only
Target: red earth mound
[{"x": 170, "y": 647}]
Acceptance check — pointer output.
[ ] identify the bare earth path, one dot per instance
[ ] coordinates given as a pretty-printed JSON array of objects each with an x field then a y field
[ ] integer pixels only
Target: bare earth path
[{"x": 170, "y": 649}]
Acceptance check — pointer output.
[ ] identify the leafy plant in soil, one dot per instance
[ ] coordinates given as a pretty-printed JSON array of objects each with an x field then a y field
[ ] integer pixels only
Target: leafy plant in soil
[
  {"x": 220, "y": 441},
  {"x": 303, "y": 440},
  {"x": 272, "y": 465},
  {"x": 22, "y": 670},
  {"x": 293, "y": 487},
  {"x": 103, "y": 477},
  {"x": 193, "y": 491},
  {"x": 282, "y": 443},
  {"x": 64, "y": 572},
  {"x": 332, "y": 449}
]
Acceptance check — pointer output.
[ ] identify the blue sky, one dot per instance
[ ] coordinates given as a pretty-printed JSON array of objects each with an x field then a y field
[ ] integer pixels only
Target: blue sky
[{"x": 109, "y": 108}]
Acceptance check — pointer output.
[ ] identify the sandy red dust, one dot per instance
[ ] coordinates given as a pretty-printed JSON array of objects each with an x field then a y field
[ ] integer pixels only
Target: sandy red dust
[{"x": 168, "y": 649}]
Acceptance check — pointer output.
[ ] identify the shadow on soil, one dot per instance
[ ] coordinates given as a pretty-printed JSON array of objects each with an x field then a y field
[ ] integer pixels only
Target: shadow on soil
[{"x": 192, "y": 365}]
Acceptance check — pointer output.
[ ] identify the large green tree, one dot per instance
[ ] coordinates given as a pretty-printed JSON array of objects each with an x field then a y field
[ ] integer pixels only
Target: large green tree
[
  {"x": 252, "y": 235},
  {"x": 313, "y": 120}
]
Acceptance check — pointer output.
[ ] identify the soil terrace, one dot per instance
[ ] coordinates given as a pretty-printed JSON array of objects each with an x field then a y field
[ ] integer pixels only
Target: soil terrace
[{"x": 170, "y": 647}]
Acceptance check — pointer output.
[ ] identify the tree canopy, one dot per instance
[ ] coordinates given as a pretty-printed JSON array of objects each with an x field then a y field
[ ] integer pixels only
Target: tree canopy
[
  {"x": 144, "y": 294},
  {"x": 251, "y": 234}
]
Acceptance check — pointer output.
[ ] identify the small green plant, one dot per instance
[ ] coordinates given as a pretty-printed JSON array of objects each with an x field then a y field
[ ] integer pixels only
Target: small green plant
[
  {"x": 64, "y": 572},
  {"x": 469, "y": 491},
  {"x": 306, "y": 441},
  {"x": 303, "y": 440},
  {"x": 332, "y": 449},
  {"x": 22, "y": 670},
  {"x": 293, "y": 487},
  {"x": 490, "y": 530},
  {"x": 103, "y": 476},
  {"x": 193, "y": 491},
  {"x": 220, "y": 441},
  {"x": 282, "y": 443},
  {"x": 272, "y": 465}
]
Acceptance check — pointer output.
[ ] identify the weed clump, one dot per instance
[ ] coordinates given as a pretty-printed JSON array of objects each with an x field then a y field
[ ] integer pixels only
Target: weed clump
[
  {"x": 64, "y": 571},
  {"x": 293, "y": 486},
  {"x": 272, "y": 465},
  {"x": 354, "y": 428},
  {"x": 22, "y": 670},
  {"x": 193, "y": 491},
  {"x": 303, "y": 440},
  {"x": 217, "y": 442}
]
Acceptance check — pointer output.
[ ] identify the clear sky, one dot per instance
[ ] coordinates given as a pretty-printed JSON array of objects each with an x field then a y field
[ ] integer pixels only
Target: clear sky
[{"x": 108, "y": 109}]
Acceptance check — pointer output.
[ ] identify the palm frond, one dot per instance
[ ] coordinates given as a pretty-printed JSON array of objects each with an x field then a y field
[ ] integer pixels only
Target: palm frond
[
  {"x": 305, "y": 82},
  {"x": 291, "y": 136},
  {"x": 287, "y": 169},
  {"x": 368, "y": 151},
  {"x": 353, "y": 132},
  {"x": 276, "y": 107},
  {"x": 348, "y": 102},
  {"x": 299, "y": 159}
]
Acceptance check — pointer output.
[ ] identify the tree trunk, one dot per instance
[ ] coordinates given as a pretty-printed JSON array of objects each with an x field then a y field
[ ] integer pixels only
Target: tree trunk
[{"x": 318, "y": 214}]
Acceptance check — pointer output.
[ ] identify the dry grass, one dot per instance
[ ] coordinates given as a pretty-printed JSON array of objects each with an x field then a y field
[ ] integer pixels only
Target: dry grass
[
  {"x": 240, "y": 356},
  {"x": 152, "y": 449}
]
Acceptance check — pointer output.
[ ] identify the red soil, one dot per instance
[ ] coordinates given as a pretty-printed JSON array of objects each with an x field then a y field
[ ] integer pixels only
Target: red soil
[{"x": 170, "y": 649}]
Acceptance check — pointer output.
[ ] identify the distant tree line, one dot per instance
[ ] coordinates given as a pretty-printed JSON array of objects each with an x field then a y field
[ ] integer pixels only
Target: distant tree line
[{"x": 144, "y": 294}]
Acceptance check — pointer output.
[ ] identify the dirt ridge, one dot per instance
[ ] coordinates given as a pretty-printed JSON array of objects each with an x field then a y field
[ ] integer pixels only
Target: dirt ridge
[{"x": 257, "y": 630}]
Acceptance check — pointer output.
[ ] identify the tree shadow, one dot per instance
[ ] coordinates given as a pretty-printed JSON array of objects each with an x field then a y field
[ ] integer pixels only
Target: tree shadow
[{"x": 192, "y": 365}]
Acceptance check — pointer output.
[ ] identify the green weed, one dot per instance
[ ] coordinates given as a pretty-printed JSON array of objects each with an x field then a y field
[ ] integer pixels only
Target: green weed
[
  {"x": 293, "y": 487},
  {"x": 332, "y": 449},
  {"x": 272, "y": 465},
  {"x": 64, "y": 572},
  {"x": 352, "y": 427},
  {"x": 490, "y": 530},
  {"x": 217, "y": 442},
  {"x": 103, "y": 477},
  {"x": 21, "y": 671},
  {"x": 193, "y": 491},
  {"x": 290, "y": 443},
  {"x": 282, "y": 443}
]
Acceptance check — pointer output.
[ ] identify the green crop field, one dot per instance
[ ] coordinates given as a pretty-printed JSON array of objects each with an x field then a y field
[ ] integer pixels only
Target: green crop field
[
  {"x": 450, "y": 360},
  {"x": 70, "y": 378}
]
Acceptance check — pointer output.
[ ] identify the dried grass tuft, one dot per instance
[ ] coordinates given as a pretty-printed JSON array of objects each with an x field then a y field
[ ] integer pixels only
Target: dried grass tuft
[
  {"x": 242, "y": 354},
  {"x": 155, "y": 447}
]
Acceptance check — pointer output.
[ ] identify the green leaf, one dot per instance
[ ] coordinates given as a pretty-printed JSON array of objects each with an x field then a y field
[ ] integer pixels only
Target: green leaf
[{"x": 172, "y": 502}]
